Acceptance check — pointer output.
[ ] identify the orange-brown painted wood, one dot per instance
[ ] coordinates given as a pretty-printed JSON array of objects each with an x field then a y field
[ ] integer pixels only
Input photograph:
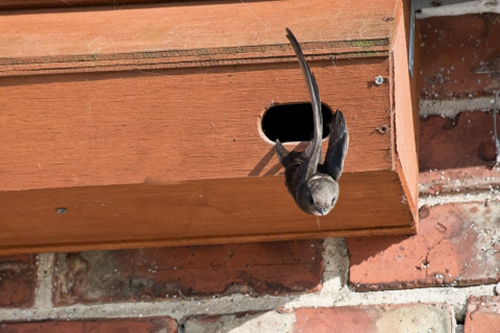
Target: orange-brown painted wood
[
  {"x": 199, "y": 27},
  {"x": 404, "y": 110},
  {"x": 31, "y": 4},
  {"x": 194, "y": 212},
  {"x": 175, "y": 125},
  {"x": 150, "y": 134}
]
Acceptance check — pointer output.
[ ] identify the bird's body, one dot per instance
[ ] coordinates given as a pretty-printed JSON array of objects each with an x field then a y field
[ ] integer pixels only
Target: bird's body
[{"x": 313, "y": 185}]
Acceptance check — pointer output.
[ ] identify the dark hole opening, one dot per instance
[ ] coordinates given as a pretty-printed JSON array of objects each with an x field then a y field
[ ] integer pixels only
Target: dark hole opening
[{"x": 293, "y": 122}]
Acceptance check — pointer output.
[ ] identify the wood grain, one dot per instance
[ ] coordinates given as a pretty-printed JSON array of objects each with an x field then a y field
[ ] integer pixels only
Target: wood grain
[
  {"x": 193, "y": 25},
  {"x": 32, "y": 4},
  {"x": 175, "y": 125},
  {"x": 194, "y": 212},
  {"x": 144, "y": 61},
  {"x": 144, "y": 122},
  {"x": 406, "y": 160}
]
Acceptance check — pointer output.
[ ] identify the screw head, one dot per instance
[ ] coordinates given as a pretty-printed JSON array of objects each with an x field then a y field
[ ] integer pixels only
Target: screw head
[
  {"x": 379, "y": 80},
  {"x": 61, "y": 210}
]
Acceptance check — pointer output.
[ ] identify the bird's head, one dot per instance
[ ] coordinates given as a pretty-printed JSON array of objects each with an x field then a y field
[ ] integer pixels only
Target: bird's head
[{"x": 320, "y": 195}]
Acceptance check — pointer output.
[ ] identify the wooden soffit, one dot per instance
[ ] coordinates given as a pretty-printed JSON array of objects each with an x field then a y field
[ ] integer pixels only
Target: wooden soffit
[{"x": 144, "y": 122}]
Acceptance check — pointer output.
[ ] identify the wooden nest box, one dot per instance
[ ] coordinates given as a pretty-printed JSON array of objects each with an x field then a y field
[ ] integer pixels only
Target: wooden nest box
[{"x": 141, "y": 126}]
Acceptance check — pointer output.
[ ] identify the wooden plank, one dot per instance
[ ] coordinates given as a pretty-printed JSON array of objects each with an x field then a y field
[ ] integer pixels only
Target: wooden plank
[
  {"x": 32, "y": 4},
  {"x": 197, "y": 25},
  {"x": 175, "y": 125},
  {"x": 406, "y": 149},
  {"x": 196, "y": 212},
  {"x": 141, "y": 61}
]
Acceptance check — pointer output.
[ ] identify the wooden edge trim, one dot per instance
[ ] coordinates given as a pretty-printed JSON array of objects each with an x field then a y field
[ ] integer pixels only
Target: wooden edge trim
[
  {"x": 398, "y": 15},
  {"x": 39, "y": 4},
  {"x": 77, "y": 247},
  {"x": 187, "y": 58},
  {"x": 413, "y": 205},
  {"x": 412, "y": 202}
]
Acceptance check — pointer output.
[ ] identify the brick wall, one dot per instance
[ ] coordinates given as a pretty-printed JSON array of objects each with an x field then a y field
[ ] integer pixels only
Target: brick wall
[{"x": 444, "y": 279}]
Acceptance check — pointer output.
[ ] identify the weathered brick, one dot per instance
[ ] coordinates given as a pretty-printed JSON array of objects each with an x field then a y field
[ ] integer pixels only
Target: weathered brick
[
  {"x": 249, "y": 322},
  {"x": 449, "y": 163},
  {"x": 147, "y": 274},
  {"x": 152, "y": 325},
  {"x": 483, "y": 315},
  {"x": 375, "y": 319},
  {"x": 459, "y": 56},
  {"x": 460, "y": 180},
  {"x": 366, "y": 319},
  {"x": 457, "y": 244},
  {"x": 17, "y": 280},
  {"x": 466, "y": 141}
]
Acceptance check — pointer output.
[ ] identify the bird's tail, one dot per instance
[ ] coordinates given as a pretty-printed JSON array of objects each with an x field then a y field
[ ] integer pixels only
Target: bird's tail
[{"x": 313, "y": 151}]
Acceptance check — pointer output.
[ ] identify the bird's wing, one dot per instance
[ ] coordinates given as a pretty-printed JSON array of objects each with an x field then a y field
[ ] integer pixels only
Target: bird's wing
[
  {"x": 337, "y": 147},
  {"x": 295, "y": 164},
  {"x": 281, "y": 152},
  {"x": 313, "y": 151},
  {"x": 295, "y": 171}
]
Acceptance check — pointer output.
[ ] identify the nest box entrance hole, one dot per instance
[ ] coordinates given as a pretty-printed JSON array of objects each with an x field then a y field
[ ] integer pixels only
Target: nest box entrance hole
[{"x": 293, "y": 122}]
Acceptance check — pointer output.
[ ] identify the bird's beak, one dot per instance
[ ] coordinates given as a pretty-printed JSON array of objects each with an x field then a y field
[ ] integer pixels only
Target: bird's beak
[{"x": 322, "y": 211}]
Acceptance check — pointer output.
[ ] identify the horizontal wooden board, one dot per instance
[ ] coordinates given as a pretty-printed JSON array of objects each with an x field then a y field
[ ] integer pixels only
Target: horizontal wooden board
[
  {"x": 199, "y": 59},
  {"x": 27, "y": 4},
  {"x": 192, "y": 25},
  {"x": 175, "y": 125},
  {"x": 196, "y": 212}
]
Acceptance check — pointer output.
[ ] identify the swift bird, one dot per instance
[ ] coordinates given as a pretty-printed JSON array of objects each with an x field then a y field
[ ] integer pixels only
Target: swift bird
[{"x": 313, "y": 185}]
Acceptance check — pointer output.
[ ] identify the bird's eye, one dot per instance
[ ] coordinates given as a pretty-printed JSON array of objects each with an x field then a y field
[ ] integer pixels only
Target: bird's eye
[
  {"x": 333, "y": 200},
  {"x": 311, "y": 200}
]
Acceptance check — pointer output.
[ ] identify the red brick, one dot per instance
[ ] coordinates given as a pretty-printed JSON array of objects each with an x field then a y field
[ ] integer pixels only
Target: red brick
[
  {"x": 466, "y": 141},
  {"x": 246, "y": 322},
  {"x": 17, "y": 280},
  {"x": 152, "y": 325},
  {"x": 457, "y": 244},
  {"x": 483, "y": 315},
  {"x": 450, "y": 163},
  {"x": 366, "y": 319},
  {"x": 342, "y": 319},
  {"x": 148, "y": 274},
  {"x": 454, "y": 49},
  {"x": 374, "y": 319},
  {"x": 459, "y": 180}
]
